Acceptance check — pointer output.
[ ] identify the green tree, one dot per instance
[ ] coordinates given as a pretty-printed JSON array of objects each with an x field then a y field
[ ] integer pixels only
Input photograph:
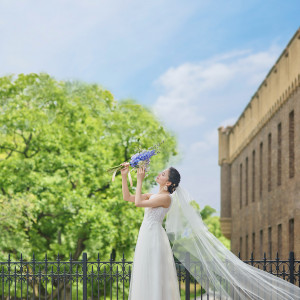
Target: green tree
[
  {"x": 212, "y": 222},
  {"x": 57, "y": 138}
]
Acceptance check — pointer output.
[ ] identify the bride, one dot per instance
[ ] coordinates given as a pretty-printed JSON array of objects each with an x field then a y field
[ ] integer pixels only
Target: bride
[
  {"x": 154, "y": 275},
  {"x": 210, "y": 263}
]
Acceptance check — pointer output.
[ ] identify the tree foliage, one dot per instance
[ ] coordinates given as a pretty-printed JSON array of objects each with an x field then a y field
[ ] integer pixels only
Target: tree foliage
[
  {"x": 57, "y": 138},
  {"x": 212, "y": 222}
]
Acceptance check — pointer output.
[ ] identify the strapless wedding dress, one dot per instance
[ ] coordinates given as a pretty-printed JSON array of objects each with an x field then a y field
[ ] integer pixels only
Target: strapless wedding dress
[{"x": 154, "y": 275}]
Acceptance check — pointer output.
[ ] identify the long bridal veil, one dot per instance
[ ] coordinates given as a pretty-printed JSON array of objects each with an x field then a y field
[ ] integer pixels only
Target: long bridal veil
[{"x": 214, "y": 266}]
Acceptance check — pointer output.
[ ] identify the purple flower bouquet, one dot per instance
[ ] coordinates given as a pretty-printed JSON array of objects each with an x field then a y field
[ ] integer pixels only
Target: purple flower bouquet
[{"x": 138, "y": 160}]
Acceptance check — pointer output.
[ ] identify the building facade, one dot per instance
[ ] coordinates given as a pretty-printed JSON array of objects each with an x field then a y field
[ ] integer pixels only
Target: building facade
[{"x": 259, "y": 157}]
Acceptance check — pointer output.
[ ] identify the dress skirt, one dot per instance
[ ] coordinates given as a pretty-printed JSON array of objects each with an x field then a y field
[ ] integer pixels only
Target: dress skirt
[{"x": 154, "y": 275}]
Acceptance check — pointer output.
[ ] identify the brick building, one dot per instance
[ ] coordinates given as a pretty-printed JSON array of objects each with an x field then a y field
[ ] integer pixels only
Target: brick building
[{"x": 259, "y": 158}]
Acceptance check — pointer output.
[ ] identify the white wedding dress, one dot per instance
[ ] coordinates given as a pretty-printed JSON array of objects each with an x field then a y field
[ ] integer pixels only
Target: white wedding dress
[{"x": 154, "y": 275}]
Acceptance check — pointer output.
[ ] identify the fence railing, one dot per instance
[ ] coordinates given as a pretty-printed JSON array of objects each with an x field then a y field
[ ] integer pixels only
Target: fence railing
[{"x": 98, "y": 279}]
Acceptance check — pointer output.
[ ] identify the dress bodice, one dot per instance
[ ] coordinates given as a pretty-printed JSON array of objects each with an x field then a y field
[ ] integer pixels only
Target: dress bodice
[{"x": 155, "y": 214}]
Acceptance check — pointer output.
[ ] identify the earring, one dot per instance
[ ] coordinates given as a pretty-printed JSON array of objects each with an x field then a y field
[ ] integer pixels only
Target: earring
[{"x": 165, "y": 187}]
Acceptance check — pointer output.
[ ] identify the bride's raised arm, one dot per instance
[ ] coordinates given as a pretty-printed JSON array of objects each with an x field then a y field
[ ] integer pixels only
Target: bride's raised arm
[{"x": 126, "y": 195}]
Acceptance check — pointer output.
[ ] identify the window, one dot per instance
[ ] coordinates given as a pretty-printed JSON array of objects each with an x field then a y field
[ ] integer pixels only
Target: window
[
  {"x": 279, "y": 240},
  {"x": 291, "y": 145},
  {"x": 261, "y": 244},
  {"x": 279, "y": 154},
  {"x": 246, "y": 183},
  {"x": 253, "y": 176},
  {"x": 241, "y": 247},
  {"x": 291, "y": 235},
  {"x": 253, "y": 244},
  {"x": 241, "y": 184},
  {"x": 270, "y": 242},
  {"x": 269, "y": 162},
  {"x": 247, "y": 257},
  {"x": 260, "y": 168}
]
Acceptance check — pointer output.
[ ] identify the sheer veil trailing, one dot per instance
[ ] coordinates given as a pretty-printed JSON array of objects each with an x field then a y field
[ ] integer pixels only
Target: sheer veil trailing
[{"x": 214, "y": 266}]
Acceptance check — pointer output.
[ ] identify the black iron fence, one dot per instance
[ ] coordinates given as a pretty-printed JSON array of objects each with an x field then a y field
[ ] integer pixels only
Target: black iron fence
[{"x": 98, "y": 279}]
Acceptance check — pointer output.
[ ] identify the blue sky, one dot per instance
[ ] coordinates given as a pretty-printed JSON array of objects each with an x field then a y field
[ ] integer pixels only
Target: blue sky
[{"x": 196, "y": 64}]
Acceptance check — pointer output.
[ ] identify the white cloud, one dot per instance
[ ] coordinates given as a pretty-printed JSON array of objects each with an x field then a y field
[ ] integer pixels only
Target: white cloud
[
  {"x": 188, "y": 89},
  {"x": 177, "y": 111}
]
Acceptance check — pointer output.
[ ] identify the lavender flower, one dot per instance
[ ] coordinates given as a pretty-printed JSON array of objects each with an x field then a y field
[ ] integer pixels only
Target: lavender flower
[
  {"x": 142, "y": 159},
  {"x": 138, "y": 160}
]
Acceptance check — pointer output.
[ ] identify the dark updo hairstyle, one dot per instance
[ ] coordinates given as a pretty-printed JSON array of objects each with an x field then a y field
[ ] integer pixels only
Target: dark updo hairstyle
[{"x": 174, "y": 177}]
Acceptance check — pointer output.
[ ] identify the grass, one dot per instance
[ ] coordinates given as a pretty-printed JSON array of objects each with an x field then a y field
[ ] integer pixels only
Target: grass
[{"x": 192, "y": 290}]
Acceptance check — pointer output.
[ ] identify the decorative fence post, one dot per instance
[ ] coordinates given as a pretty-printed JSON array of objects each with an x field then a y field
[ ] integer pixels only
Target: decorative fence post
[
  {"x": 84, "y": 276},
  {"x": 187, "y": 276},
  {"x": 291, "y": 266}
]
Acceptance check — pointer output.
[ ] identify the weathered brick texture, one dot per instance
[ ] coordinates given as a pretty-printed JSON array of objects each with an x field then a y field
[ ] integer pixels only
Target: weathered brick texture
[{"x": 277, "y": 204}]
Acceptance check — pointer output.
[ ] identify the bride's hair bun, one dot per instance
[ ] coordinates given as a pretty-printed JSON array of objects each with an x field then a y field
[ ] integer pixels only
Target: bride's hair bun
[{"x": 174, "y": 177}]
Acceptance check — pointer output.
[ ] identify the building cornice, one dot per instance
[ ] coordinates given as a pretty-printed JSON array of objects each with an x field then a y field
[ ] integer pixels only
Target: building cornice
[{"x": 277, "y": 105}]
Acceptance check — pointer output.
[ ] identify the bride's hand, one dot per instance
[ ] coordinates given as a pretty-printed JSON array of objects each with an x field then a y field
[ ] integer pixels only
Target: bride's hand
[
  {"x": 125, "y": 170},
  {"x": 141, "y": 173}
]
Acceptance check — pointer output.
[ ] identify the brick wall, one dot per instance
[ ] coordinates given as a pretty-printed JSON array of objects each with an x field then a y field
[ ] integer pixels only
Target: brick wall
[{"x": 271, "y": 188}]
